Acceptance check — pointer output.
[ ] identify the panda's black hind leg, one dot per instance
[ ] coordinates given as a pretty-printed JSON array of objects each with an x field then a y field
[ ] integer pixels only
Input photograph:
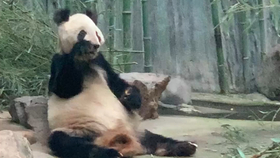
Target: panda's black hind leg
[
  {"x": 162, "y": 146},
  {"x": 65, "y": 146}
]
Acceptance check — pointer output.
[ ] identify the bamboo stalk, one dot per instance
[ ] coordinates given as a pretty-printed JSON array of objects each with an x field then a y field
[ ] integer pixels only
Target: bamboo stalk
[
  {"x": 129, "y": 63},
  {"x": 261, "y": 25},
  {"x": 118, "y": 42},
  {"x": 242, "y": 18},
  {"x": 68, "y": 4},
  {"x": 146, "y": 38},
  {"x": 45, "y": 5},
  {"x": 124, "y": 51},
  {"x": 111, "y": 32},
  {"x": 127, "y": 31},
  {"x": 223, "y": 80},
  {"x": 94, "y": 5}
]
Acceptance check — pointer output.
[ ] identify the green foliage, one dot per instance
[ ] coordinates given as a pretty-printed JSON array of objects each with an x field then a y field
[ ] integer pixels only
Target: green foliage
[
  {"x": 236, "y": 137},
  {"x": 232, "y": 8},
  {"x": 28, "y": 41},
  {"x": 233, "y": 134},
  {"x": 241, "y": 154},
  {"x": 276, "y": 140},
  {"x": 27, "y": 44}
]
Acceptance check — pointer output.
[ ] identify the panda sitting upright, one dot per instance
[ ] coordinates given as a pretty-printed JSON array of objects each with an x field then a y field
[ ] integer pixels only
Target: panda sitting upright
[
  {"x": 68, "y": 29},
  {"x": 86, "y": 118}
]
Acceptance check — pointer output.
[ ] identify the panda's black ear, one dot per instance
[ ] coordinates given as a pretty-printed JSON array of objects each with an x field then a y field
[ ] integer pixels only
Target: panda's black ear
[
  {"x": 61, "y": 15},
  {"x": 93, "y": 15}
]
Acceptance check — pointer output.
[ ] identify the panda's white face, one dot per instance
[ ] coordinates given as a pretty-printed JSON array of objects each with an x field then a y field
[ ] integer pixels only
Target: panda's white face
[{"x": 69, "y": 30}]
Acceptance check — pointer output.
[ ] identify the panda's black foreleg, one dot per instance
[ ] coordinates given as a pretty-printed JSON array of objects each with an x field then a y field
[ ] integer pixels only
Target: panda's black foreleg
[
  {"x": 131, "y": 99},
  {"x": 65, "y": 81},
  {"x": 65, "y": 146},
  {"x": 68, "y": 71},
  {"x": 162, "y": 146},
  {"x": 128, "y": 95}
]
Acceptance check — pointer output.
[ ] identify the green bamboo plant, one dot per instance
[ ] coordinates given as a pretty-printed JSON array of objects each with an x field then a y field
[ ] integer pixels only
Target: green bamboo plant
[
  {"x": 111, "y": 30},
  {"x": 223, "y": 81},
  {"x": 127, "y": 32},
  {"x": 146, "y": 38}
]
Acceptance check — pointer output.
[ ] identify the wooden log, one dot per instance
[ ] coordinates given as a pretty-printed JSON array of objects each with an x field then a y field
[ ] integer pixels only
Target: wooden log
[{"x": 151, "y": 87}]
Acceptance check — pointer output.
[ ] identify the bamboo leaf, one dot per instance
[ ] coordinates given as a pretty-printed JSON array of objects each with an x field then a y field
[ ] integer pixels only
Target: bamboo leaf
[
  {"x": 240, "y": 152},
  {"x": 276, "y": 140}
]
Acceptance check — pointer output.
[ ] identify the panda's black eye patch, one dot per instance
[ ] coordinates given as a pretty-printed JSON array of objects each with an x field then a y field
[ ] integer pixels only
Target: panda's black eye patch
[{"x": 81, "y": 35}]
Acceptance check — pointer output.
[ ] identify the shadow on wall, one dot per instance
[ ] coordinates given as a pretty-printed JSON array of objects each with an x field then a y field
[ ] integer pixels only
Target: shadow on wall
[{"x": 268, "y": 79}]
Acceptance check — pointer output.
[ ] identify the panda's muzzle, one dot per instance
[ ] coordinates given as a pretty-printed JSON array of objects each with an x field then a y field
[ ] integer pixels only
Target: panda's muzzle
[
  {"x": 96, "y": 46},
  {"x": 84, "y": 50},
  {"x": 81, "y": 36}
]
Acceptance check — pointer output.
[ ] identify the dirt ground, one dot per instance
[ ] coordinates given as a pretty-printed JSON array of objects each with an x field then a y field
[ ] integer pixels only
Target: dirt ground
[{"x": 207, "y": 133}]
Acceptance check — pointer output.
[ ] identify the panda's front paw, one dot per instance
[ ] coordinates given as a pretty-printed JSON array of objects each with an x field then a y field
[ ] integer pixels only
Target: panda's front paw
[
  {"x": 132, "y": 98},
  {"x": 106, "y": 153}
]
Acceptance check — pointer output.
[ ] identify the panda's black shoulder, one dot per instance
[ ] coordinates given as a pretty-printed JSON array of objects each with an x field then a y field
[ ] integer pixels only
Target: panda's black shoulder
[
  {"x": 56, "y": 57},
  {"x": 57, "y": 61}
]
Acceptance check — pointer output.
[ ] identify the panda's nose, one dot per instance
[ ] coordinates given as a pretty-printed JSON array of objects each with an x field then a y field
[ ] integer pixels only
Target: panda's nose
[{"x": 96, "y": 46}]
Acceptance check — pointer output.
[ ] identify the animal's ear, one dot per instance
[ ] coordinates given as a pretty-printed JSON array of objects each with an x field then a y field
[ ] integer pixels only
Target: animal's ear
[
  {"x": 81, "y": 35},
  {"x": 93, "y": 15},
  {"x": 61, "y": 15}
]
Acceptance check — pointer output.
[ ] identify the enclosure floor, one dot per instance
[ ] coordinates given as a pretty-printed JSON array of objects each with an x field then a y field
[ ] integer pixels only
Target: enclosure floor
[{"x": 207, "y": 133}]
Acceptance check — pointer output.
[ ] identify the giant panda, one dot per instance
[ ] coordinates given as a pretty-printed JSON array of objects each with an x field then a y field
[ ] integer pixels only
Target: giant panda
[
  {"x": 85, "y": 117},
  {"x": 68, "y": 29}
]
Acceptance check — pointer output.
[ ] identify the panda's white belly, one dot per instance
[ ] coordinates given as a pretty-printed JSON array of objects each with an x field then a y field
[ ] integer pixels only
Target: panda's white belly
[{"x": 95, "y": 107}]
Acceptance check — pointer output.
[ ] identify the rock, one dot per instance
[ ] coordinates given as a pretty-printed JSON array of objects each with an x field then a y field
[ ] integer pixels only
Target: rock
[
  {"x": 182, "y": 107},
  {"x": 37, "y": 154},
  {"x": 29, "y": 135},
  {"x": 13, "y": 145},
  {"x": 149, "y": 79},
  {"x": 151, "y": 87},
  {"x": 40, "y": 148},
  {"x": 178, "y": 91},
  {"x": 17, "y": 110},
  {"x": 5, "y": 115},
  {"x": 37, "y": 114},
  {"x": 7, "y": 124},
  {"x": 31, "y": 112},
  {"x": 189, "y": 109},
  {"x": 256, "y": 97}
]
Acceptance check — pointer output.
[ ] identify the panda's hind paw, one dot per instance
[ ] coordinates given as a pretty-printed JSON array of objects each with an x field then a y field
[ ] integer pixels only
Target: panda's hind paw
[
  {"x": 184, "y": 149},
  {"x": 106, "y": 153}
]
